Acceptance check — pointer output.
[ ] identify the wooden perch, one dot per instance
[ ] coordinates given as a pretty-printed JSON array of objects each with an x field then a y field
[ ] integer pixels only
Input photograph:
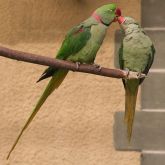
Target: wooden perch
[{"x": 86, "y": 68}]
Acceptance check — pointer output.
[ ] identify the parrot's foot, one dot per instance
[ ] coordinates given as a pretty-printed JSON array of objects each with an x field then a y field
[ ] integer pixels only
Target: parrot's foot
[
  {"x": 97, "y": 66},
  {"x": 141, "y": 75},
  {"x": 77, "y": 65},
  {"x": 135, "y": 75}
]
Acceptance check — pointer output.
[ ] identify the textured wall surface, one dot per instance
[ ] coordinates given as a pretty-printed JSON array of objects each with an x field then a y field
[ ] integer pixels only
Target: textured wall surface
[{"x": 74, "y": 127}]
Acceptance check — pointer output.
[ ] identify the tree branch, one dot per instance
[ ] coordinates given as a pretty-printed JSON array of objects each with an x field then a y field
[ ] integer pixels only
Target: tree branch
[{"x": 55, "y": 63}]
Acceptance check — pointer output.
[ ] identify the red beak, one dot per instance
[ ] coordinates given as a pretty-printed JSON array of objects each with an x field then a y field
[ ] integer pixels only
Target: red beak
[
  {"x": 121, "y": 19},
  {"x": 118, "y": 12}
]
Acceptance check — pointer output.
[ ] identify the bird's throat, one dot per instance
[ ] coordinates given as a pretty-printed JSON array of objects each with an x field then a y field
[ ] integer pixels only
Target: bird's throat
[{"x": 98, "y": 19}]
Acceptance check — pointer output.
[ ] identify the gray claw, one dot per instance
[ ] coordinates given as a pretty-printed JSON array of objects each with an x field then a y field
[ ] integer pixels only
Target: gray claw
[
  {"x": 97, "y": 66},
  {"x": 141, "y": 75},
  {"x": 135, "y": 75},
  {"x": 77, "y": 65}
]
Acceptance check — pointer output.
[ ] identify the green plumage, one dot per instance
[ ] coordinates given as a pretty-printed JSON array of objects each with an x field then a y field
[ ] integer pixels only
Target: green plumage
[
  {"x": 80, "y": 45},
  {"x": 136, "y": 54}
]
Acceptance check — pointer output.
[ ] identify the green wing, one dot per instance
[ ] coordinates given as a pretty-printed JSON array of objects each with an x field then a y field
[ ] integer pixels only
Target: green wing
[
  {"x": 151, "y": 59},
  {"x": 121, "y": 62},
  {"x": 74, "y": 41},
  {"x": 150, "y": 62}
]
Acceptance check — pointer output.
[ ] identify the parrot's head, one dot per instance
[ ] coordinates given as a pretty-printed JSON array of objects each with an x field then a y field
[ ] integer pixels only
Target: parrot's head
[
  {"x": 107, "y": 14},
  {"x": 127, "y": 22}
]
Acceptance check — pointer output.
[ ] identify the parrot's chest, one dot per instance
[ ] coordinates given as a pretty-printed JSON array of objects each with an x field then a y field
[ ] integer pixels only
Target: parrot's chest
[{"x": 98, "y": 34}]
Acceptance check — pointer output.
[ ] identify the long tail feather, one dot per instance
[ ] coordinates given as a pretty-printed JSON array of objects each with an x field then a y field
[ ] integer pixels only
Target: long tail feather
[
  {"x": 53, "y": 84},
  {"x": 131, "y": 89}
]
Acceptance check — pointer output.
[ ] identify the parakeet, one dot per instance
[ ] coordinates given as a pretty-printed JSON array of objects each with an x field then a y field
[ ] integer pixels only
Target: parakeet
[
  {"x": 135, "y": 54},
  {"x": 81, "y": 44}
]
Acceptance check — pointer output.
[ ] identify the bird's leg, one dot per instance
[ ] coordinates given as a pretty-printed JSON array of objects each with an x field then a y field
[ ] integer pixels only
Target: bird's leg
[
  {"x": 134, "y": 75},
  {"x": 97, "y": 66},
  {"x": 141, "y": 75}
]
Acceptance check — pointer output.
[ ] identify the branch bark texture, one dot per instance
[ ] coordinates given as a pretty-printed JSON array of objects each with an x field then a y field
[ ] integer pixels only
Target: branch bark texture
[{"x": 47, "y": 61}]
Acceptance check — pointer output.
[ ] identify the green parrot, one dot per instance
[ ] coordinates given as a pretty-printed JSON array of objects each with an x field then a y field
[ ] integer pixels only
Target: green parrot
[
  {"x": 135, "y": 54},
  {"x": 80, "y": 45}
]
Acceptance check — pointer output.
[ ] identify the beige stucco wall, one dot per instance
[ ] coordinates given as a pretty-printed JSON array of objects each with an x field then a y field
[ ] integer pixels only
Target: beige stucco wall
[{"x": 74, "y": 127}]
